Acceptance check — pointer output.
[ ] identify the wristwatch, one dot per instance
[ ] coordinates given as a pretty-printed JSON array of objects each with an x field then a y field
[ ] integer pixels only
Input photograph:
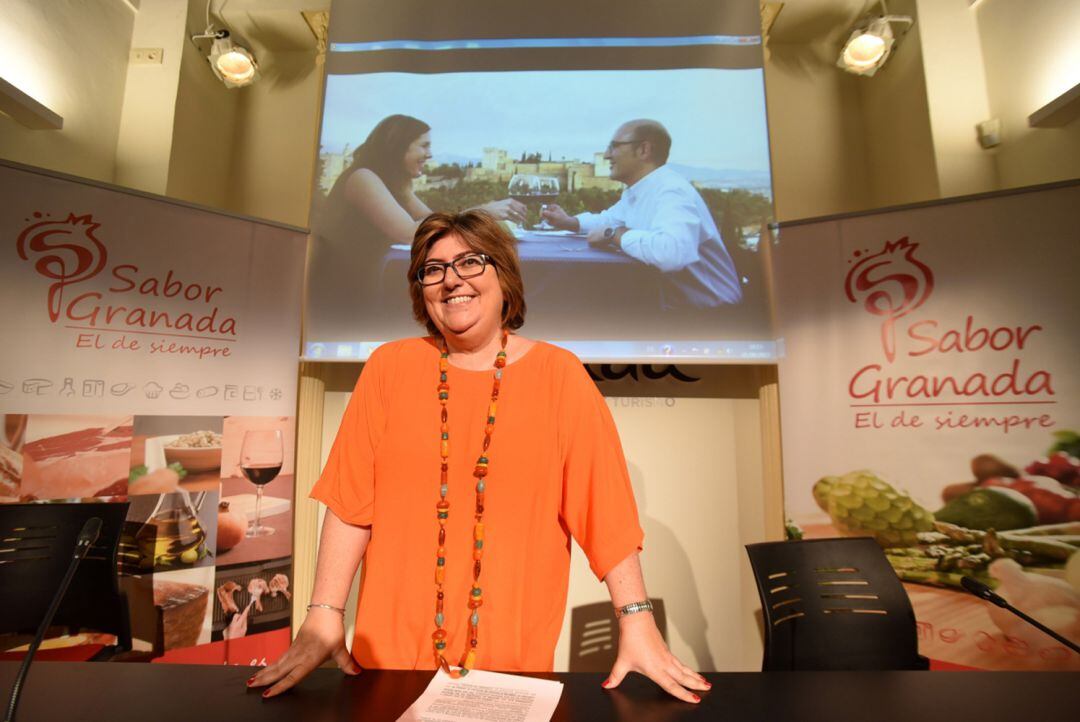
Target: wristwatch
[{"x": 612, "y": 234}]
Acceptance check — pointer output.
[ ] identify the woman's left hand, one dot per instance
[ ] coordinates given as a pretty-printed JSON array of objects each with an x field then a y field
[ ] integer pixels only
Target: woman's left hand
[{"x": 642, "y": 650}]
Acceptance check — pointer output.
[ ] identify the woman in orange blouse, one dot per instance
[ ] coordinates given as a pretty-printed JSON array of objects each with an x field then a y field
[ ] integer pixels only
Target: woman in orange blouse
[{"x": 464, "y": 463}]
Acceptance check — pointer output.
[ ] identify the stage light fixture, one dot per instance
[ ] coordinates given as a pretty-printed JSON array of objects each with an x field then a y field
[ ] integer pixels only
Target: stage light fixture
[
  {"x": 870, "y": 44},
  {"x": 233, "y": 64}
]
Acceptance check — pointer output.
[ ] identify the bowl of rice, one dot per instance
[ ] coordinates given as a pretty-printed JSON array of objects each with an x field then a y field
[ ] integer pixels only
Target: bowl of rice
[{"x": 196, "y": 451}]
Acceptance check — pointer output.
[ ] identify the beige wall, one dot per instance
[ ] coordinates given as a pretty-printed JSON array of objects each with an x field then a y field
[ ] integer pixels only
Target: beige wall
[
  {"x": 956, "y": 91},
  {"x": 841, "y": 142},
  {"x": 274, "y": 145},
  {"x": 1032, "y": 55},
  {"x": 899, "y": 141},
  {"x": 144, "y": 147},
  {"x": 815, "y": 133},
  {"x": 201, "y": 156},
  {"x": 71, "y": 56}
]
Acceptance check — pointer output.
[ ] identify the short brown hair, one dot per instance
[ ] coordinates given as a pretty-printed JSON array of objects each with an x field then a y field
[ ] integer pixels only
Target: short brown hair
[{"x": 481, "y": 233}]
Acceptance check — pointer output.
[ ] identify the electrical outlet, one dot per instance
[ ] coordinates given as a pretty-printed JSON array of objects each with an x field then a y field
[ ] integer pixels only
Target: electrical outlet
[{"x": 147, "y": 56}]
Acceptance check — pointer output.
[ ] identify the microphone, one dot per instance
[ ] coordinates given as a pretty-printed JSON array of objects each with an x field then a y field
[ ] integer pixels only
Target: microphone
[
  {"x": 87, "y": 536},
  {"x": 982, "y": 591}
]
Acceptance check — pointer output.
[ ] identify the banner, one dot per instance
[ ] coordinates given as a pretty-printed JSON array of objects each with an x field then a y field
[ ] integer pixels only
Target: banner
[
  {"x": 150, "y": 356},
  {"x": 929, "y": 396}
]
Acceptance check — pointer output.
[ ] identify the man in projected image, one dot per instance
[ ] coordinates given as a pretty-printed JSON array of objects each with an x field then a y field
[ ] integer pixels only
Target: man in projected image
[{"x": 660, "y": 220}]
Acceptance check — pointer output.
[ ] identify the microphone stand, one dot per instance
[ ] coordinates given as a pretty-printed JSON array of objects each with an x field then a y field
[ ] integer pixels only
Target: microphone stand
[
  {"x": 984, "y": 592},
  {"x": 87, "y": 536}
]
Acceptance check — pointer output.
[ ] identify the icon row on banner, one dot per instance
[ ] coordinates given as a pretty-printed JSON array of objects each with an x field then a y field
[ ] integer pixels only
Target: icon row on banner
[{"x": 70, "y": 387}]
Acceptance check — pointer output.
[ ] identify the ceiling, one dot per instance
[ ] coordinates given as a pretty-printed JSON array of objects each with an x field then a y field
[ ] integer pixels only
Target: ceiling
[
  {"x": 817, "y": 21},
  {"x": 267, "y": 26}
]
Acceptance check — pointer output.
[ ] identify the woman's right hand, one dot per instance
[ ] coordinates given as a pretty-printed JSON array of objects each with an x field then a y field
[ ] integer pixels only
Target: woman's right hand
[
  {"x": 506, "y": 210},
  {"x": 321, "y": 637}
]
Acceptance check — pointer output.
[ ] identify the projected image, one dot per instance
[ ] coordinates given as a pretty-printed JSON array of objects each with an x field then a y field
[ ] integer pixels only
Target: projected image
[{"x": 638, "y": 198}]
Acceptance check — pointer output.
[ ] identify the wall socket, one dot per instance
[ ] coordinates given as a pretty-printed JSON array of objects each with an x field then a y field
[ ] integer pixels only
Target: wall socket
[{"x": 146, "y": 56}]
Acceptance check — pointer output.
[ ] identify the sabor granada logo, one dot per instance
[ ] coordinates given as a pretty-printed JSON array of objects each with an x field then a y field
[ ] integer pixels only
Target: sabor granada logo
[
  {"x": 69, "y": 252},
  {"x": 890, "y": 283}
]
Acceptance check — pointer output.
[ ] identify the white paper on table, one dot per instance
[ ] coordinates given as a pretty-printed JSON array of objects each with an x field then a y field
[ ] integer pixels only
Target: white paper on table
[{"x": 485, "y": 697}]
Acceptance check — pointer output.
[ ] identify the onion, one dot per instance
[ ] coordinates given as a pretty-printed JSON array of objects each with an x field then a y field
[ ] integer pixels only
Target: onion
[{"x": 231, "y": 527}]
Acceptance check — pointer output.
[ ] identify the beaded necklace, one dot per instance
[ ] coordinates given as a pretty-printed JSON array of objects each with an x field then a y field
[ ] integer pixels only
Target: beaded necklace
[{"x": 442, "y": 509}]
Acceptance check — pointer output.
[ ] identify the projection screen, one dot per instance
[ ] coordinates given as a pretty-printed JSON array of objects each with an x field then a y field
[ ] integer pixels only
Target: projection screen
[{"x": 449, "y": 106}]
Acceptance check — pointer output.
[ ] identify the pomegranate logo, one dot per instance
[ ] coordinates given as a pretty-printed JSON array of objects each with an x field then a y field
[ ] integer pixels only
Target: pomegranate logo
[
  {"x": 891, "y": 283},
  {"x": 66, "y": 252}
]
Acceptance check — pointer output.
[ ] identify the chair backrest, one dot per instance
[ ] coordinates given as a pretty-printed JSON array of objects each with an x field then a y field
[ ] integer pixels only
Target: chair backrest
[
  {"x": 833, "y": 604},
  {"x": 594, "y": 635},
  {"x": 36, "y": 546}
]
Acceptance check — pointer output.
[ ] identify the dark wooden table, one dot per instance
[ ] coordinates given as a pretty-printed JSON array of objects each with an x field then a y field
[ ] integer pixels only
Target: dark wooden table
[{"x": 72, "y": 691}]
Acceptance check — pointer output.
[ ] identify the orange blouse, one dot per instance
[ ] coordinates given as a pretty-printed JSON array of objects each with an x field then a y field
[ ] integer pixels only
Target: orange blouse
[{"x": 556, "y": 469}]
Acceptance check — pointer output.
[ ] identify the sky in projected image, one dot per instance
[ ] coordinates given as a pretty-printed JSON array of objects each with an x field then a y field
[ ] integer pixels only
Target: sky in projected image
[{"x": 716, "y": 117}]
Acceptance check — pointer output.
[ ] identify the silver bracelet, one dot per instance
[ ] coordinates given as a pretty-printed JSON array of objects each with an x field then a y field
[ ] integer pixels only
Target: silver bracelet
[
  {"x": 339, "y": 610},
  {"x": 633, "y": 608}
]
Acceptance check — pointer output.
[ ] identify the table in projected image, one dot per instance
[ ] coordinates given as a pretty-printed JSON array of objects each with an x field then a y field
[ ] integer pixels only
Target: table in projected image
[{"x": 565, "y": 273}]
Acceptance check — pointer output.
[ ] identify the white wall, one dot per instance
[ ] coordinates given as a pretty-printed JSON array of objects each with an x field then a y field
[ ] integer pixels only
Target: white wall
[
  {"x": 276, "y": 135},
  {"x": 816, "y": 132},
  {"x": 72, "y": 56},
  {"x": 896, "y": 118},
  {"x": 146, "y": 125},
  {"x": 956, "y": 91},
  {"x": 1032, "y": 55},
  {"x": 200, "y": 161}
]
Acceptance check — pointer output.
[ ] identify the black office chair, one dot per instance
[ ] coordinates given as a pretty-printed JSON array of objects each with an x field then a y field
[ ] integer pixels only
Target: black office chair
[
  {"x": 36, "y": 545},
  {"x": 833, "y": 604}
]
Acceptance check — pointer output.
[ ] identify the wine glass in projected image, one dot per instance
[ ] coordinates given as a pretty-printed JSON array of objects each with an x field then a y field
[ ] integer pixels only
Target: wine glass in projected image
[
  {"x": 260, "y": 460},
  {"x": 547, "y": 191},
  {"x": 524, "y": 188}
]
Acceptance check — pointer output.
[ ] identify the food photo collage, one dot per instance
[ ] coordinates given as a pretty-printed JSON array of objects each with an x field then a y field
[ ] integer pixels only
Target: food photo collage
[{"x": 205, "y": 555}]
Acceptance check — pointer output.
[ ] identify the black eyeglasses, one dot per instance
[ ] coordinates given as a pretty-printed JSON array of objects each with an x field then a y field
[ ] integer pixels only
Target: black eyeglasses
[
  {"x": 615, "y": 143},
  {"x": 469, "y": 266}
]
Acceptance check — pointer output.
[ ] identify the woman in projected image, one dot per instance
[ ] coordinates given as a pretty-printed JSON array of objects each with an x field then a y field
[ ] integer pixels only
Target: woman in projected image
[
  {"x": 464, "y": 463},
  {"x": 371, "y": 206},
  {"x": 373, "y": 200}
]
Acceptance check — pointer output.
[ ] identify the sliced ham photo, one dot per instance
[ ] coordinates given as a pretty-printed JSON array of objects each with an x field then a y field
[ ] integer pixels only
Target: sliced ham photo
[{"x": 89, "y": 462}]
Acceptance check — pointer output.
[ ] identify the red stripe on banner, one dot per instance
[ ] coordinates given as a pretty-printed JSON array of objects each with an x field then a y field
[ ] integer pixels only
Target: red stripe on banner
[
  {"x": 257, "y": 650},
  {"x": 952, "y": 403},
  {"x": 150, "y": 333},
  {"x": 938, "y": 665}
]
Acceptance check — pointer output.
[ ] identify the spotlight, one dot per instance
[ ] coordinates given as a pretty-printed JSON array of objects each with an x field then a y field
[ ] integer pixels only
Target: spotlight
[
  {"x": 234, "y": 65},
  {"x": 870, "y": 44}
]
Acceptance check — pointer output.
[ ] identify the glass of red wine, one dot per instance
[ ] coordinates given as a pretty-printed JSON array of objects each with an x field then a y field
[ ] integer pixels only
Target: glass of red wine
[
  {"x": 548, "y": 192},
  {"x": 260, "y": 460},
  {"x": 523, "y": 188}
]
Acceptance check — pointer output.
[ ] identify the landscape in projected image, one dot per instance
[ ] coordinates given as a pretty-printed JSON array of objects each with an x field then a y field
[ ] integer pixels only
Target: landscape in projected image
[
  {"x": 488, "y": 126},
  {"x": 487, "y": 130}
]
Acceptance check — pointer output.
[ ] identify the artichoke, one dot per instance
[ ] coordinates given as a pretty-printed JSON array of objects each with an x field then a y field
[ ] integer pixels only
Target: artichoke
[{"x": 862, "y": 504}]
